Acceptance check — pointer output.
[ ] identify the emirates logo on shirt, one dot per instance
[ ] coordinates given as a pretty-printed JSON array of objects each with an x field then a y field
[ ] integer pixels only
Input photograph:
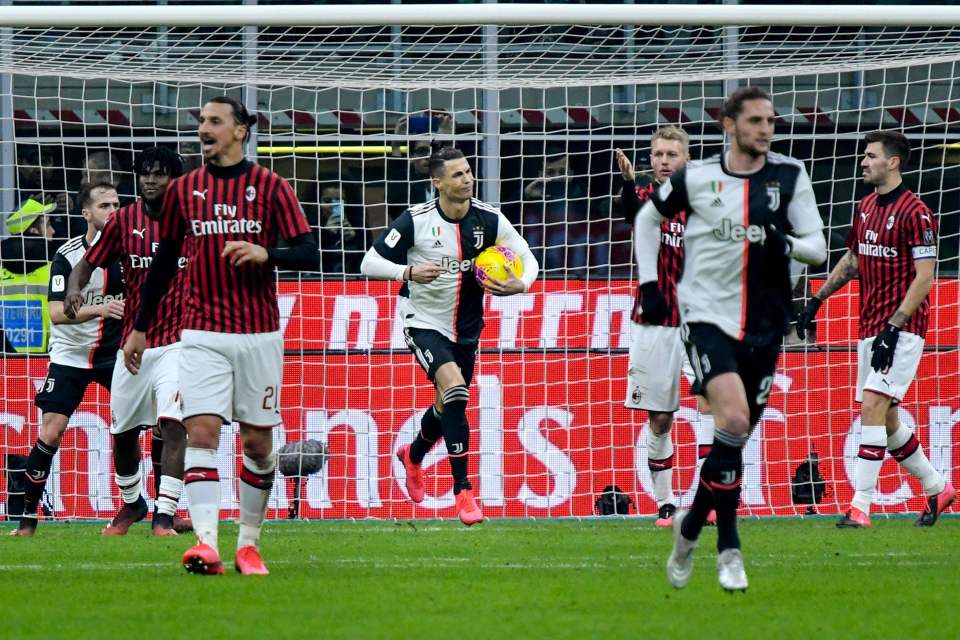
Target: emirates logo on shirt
[
  {"x": 873, "y": 248},
  {"x": 225, "y": 222}
]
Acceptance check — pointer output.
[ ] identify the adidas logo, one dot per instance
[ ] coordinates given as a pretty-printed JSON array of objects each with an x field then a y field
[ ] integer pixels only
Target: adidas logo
[
  {"x": 437, "y": 244},
  {"x": 717, "y": 202}
]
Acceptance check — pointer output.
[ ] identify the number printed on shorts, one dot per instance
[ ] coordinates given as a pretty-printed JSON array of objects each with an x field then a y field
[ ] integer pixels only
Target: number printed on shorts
[
  {"x": 270, "y": 399},
  {"x": 766, "y": 386}
]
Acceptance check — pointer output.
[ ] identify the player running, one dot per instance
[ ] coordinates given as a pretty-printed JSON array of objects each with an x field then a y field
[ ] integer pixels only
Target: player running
[{"x": 431, "y": 247}]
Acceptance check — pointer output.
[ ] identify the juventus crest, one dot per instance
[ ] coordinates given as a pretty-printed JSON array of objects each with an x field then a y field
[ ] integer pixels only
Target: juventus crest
[
  {"x": 773, "y": 195},
  {"x": 477, "y": 238}
]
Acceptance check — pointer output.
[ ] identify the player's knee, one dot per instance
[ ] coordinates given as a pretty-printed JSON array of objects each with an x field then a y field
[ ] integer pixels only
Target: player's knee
[
  {"x": 875, "y": 408},
  {"x": 455, "y": 395},
  {"x": 738, "y": 424},
  {"x": 660, "y": 422}
]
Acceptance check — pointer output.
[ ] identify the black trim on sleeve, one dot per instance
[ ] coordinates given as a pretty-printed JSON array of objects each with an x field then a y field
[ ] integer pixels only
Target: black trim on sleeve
[
  {"x": 629, "y": 200},
  {"x": 301, "y": 253},
  {"x": 59, "y": 267}
]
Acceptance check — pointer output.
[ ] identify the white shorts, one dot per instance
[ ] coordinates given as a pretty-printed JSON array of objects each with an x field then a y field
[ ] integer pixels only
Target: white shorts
[
  {"x": 151, "y": 395},
  {"x": 894, "y": 383},
  {"x": 657, "y": 357},
  {"x": 236, "y": 376}
]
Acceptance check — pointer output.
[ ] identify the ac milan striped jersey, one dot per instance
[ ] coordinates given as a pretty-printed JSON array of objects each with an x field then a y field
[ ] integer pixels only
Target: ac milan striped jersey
[
  {"x": 453, "y": 303},
  {"x": 732, "y": 277},
  {"x": 890, "y": 232},
  {"x": 669, "y": 261},
  {"x": 211, "y": 206},
  {"x": 92, "y": 344},
  {"x": 132, "y": 237}
]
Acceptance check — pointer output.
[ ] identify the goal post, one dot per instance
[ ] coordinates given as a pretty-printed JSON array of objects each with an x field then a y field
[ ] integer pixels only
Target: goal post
[{"x": 348, "y": 100}]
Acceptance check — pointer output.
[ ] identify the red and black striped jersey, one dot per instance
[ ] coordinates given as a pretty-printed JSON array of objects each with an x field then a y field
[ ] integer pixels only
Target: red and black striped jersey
[
  {"x": 669, "y": 261},
  {"x": 890, "y": 232},
  {"x": 211, "y": 206},
  {"x": 132, "y": 236}
]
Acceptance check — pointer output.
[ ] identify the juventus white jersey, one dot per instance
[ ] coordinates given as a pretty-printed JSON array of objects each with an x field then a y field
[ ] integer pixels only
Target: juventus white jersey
[
  {"x": 92, "y": 344},
  {"x": 453, "y": 303},
  {"x": 732, "y": 278}
]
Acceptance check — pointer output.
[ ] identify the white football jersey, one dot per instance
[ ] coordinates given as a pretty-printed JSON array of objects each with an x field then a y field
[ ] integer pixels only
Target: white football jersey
[
  {"x": 732, "y": 278},
  {"x": 453, "y": 303}
]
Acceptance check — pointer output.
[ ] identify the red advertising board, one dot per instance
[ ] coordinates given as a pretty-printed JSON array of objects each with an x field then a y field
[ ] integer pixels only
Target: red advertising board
[{"x": 548, "y": 433}]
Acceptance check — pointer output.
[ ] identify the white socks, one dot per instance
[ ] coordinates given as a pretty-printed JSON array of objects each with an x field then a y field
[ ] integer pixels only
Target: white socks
[
  {"x": 202, "y": 482},
  {"x": 129, "y": 486},
  {"x": 660, "y": 463},
  {"x": 905, "y": 448},
  {"x": 873, "y": 448},
  {"x": 169, "y": 495},
  {"x": 256, "y": 482}
]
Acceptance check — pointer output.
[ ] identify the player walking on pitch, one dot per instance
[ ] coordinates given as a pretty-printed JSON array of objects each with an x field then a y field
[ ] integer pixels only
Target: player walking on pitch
[
  {"x": 83, "y": 348},
  {"x": 892, "y": 249},
  {"x": 749, "y": 211},
  {"x": 431, "y": 247},
  {"x": 150, "y": 399},
  {"x": 234, "y": 212},
  {"x": 657, "y": 357}
]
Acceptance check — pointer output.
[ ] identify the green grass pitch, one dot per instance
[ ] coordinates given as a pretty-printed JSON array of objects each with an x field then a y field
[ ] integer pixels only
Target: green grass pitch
[{"x": 505, "y": 579}]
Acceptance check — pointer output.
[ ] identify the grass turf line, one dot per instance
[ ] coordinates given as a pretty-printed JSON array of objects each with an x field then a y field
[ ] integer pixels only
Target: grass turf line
[{"x": 558, "y": 579}]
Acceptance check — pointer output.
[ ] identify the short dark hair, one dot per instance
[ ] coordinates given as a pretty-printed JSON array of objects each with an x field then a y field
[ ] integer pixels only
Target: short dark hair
[
  {"x": 169, "y": 160},
  {"x": 439, "y": 157},
  {"x": 733, "y": 105},
  {"x": 894, "y": 144},
  {"x": 85, "y": 196},
  {"x": 240, "y": 113}
]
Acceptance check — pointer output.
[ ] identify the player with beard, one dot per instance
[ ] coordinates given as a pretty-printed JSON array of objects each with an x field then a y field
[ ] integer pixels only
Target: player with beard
[
  {"x": 151, "y": 399},
  {"x": 749, "y": 211},
  {"x": 230, "y": 215},
  {"x": 83, "y": 347},
  {"x": 892, "y": 249}
]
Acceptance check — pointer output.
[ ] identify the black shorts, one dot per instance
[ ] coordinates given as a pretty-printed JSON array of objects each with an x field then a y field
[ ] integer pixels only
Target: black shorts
[
  {"x": 63, "y": 389},
  {"x": 713, "y": 352},
  {"x": 433, "y": 350}
]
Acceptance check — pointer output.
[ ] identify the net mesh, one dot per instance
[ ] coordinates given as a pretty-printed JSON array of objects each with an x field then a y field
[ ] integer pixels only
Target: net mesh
[{"x": 346, "y": 115}]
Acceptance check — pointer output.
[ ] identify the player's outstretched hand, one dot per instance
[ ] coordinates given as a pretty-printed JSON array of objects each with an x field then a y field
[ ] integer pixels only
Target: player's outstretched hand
[
  {"x": 240, "y": 252},
  {"x": 884, "y": 346},
  {"x": 508, "y": 287},
  {"x": 653, "y": 306},
  {"x": 626, "y": 167},
  {"x": 72, "y": 303},
  {"x": 426, "y": 273},
  {"x": 112, "y": 310},
  {"x": 807, "y": 322},
  {"x": 133, "y": 351}
]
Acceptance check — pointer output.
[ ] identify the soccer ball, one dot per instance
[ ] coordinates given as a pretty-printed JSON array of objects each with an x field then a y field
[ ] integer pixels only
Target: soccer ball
[{"x": 492, "y": 263}]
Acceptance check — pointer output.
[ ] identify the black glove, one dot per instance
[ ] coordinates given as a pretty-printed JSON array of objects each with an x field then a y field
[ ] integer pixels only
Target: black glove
[
  {"x": 884, "y": 345},
  {"x": 777, "y": 240},
  {"x": 653, "y": 306},
  {"x": 808, "y": 318}
]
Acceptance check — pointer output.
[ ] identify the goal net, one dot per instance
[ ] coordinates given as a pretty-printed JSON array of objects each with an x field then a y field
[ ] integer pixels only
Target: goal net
[{"x": 348, "y": 112}]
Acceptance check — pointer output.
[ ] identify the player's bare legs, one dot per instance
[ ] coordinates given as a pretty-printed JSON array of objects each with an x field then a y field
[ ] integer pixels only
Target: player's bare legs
[
  {"x": 52, "y": 428},
  {"x": 660, "y": 463},
  {"x": 202, "y": 483},
  {"x": 456, "y": 434},
  {"x": 126, "y": 462},
  {"x": 256, "y": 482}
]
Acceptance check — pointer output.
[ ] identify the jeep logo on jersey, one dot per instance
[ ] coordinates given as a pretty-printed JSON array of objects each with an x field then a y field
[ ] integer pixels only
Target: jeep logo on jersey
[
  {"x": 99, "y": 298},
  {"x": 773, "y": 195},
  {"x": 477, "y": 238},
  {"x": 452, "y": 265},
  {"x": 738, "y": 233}
]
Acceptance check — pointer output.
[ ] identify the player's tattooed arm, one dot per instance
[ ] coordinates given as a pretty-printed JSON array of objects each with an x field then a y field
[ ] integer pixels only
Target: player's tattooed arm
[
  {"x": 916, "y": 293},
  {"x": 846, "y": 270}
]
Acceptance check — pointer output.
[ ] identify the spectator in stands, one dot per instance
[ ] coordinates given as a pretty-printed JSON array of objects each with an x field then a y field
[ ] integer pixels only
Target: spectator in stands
[
  {"x": 340, "y": 226},
  {"x": 25, "y": 257},
  {"x": 104, "y": 166},
  {"x": 39, "y": 179},
  {"x": 556, "y": 218},
  {"x": 408, "y": 179}
]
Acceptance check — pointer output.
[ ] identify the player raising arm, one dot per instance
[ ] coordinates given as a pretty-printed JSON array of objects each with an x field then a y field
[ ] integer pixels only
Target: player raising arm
[
  {"x": 431, "y": 247},
  {"x": 892, "y": 249},
  {"x": 749, "y": 211}
]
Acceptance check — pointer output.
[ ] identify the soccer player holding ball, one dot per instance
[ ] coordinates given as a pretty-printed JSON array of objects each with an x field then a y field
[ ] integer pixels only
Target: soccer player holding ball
[{"x": 432, "y": 248}]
